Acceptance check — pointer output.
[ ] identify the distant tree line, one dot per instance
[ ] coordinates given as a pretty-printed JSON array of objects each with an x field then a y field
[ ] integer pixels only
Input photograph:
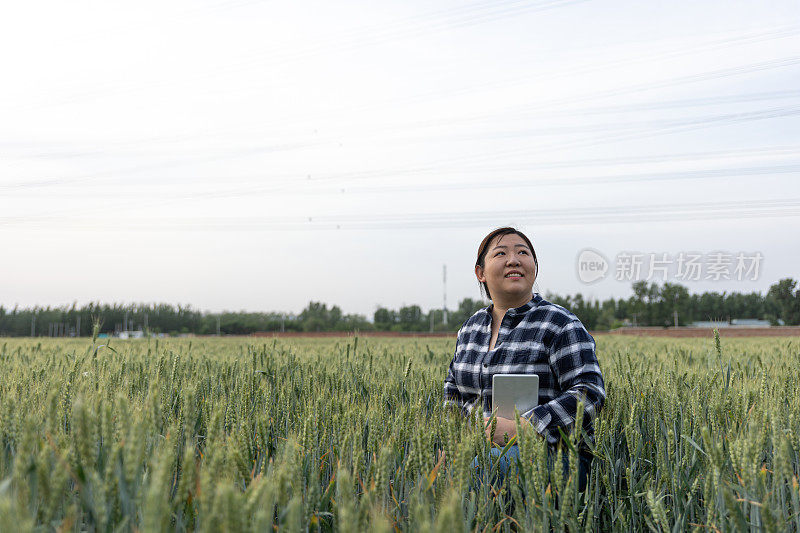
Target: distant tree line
[
  {"x": 650, "y": 305},
  {"x": 659, "y": 305}
]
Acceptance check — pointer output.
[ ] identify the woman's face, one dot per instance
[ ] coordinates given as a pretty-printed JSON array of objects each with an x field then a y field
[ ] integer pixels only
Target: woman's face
[{"x": 509, "y": 269}]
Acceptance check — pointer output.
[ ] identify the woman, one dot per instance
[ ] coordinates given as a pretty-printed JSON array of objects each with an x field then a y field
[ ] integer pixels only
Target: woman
[{"x": 522, "y": 333}]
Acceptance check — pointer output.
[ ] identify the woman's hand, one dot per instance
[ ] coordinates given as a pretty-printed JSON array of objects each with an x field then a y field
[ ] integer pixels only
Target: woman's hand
[{"x": 505, "y": 427}]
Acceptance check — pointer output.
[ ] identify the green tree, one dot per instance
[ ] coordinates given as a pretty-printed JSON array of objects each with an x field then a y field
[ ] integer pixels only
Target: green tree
[
  {"x": 786, "y": 300},
  {"x": 410, "y": 318},
  {"x": 673, "y": 298},
  {"x": 315, "y": 317},
  {"x": 639, "y": 303},
  {"x": 466, "y": 308},
  {"x": 384, "y": 319}
]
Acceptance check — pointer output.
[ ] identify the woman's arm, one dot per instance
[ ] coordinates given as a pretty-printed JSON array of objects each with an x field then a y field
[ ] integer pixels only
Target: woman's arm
[
  {"x": 452, "y": 398},
  {"x": 574, "y": 364},
  {"x": 452, "y": 394}
]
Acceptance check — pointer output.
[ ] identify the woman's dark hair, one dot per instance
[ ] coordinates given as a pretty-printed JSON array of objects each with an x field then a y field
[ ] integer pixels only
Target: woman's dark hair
[{"x": 484, "y": 247}]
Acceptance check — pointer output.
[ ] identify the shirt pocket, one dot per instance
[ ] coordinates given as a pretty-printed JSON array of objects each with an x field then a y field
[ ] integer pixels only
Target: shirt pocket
[{"x": 531, "y": 355}]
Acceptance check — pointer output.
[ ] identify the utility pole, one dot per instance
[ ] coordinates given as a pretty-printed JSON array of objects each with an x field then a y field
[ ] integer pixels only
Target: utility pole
[
  {"x": 78, "y": 326},
  {"x": 283, "y": 322},
  {"x": 125, "y": 322},
  {"x": 217, "y": 325},
  {"x": 444, "y": 292},
  {"x": 145, "y": 322},
  {"x": 431, "y": 320},
  {"x": 33, "y": 325},
  {"x": 675, "y": 310}
]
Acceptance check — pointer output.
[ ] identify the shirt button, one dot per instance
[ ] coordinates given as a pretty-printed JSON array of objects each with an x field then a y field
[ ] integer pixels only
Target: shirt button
[{"x": 485, "y": 365}]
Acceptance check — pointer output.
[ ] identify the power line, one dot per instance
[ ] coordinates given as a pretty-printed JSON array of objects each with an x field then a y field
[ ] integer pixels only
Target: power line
[
  {"x": 679, "y": 126},
  {"x": 483, "y": 117},
  {"x": 534, "y": 111},
  {"x": 580, "y": 180},
  {"x": 642, "y": 213},
  {"x": 558, "y": 102},
  {"x": 296, "y": 184},
  {"x": 657, "y": 128},
  {"x": 460, "y": 16},
  {"x": 775, "y": 33},
  {"x": 779, "y": 32}
]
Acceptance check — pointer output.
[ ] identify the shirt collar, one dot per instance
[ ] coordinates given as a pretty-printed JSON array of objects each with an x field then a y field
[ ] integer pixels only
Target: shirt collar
[{"x": 521, "y": 310}]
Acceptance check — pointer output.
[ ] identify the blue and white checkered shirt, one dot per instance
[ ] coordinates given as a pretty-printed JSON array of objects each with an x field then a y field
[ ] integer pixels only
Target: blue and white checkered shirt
[{"x": 538, "y": 338}]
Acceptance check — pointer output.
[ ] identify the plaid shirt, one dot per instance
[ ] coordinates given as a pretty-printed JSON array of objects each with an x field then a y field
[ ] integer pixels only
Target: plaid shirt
[{"x": 538, "y": 338}]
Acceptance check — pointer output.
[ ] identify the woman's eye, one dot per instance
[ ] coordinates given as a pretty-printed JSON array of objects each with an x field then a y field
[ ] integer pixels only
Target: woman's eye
[
  {"x": 499, "y": 253},
  {"x": 523, "y": 252}
]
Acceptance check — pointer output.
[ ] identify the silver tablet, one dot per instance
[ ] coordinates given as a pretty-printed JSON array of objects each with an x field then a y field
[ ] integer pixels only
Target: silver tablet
[{"x": 514, "y": 390}]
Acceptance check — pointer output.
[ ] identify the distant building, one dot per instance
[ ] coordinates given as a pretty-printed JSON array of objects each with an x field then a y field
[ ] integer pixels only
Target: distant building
[
  {"x": 736, "y": 322},
  {"x": 138, "y": 334}
]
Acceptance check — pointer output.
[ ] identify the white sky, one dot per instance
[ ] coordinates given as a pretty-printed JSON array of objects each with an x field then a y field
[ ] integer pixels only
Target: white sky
[{"x": 206, "y": 152}]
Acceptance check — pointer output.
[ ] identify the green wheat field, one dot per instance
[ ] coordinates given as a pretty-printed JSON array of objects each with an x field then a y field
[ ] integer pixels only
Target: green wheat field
[{"x": 347, "y": 434}]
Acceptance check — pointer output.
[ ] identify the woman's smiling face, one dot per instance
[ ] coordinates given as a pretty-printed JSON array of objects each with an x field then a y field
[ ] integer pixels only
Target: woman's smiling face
[{"x": 509, "y": 269}]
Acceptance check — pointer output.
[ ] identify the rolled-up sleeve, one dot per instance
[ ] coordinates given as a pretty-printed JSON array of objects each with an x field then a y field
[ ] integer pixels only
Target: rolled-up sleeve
[
  {"x": 574, "y": 363},
  {"x": 456, "y": 393},
  {"x": 452, "y": 398}
]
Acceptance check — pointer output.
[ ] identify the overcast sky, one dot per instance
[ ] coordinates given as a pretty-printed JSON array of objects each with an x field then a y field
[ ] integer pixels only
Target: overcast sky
[{"x": 258, "y": 154}]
